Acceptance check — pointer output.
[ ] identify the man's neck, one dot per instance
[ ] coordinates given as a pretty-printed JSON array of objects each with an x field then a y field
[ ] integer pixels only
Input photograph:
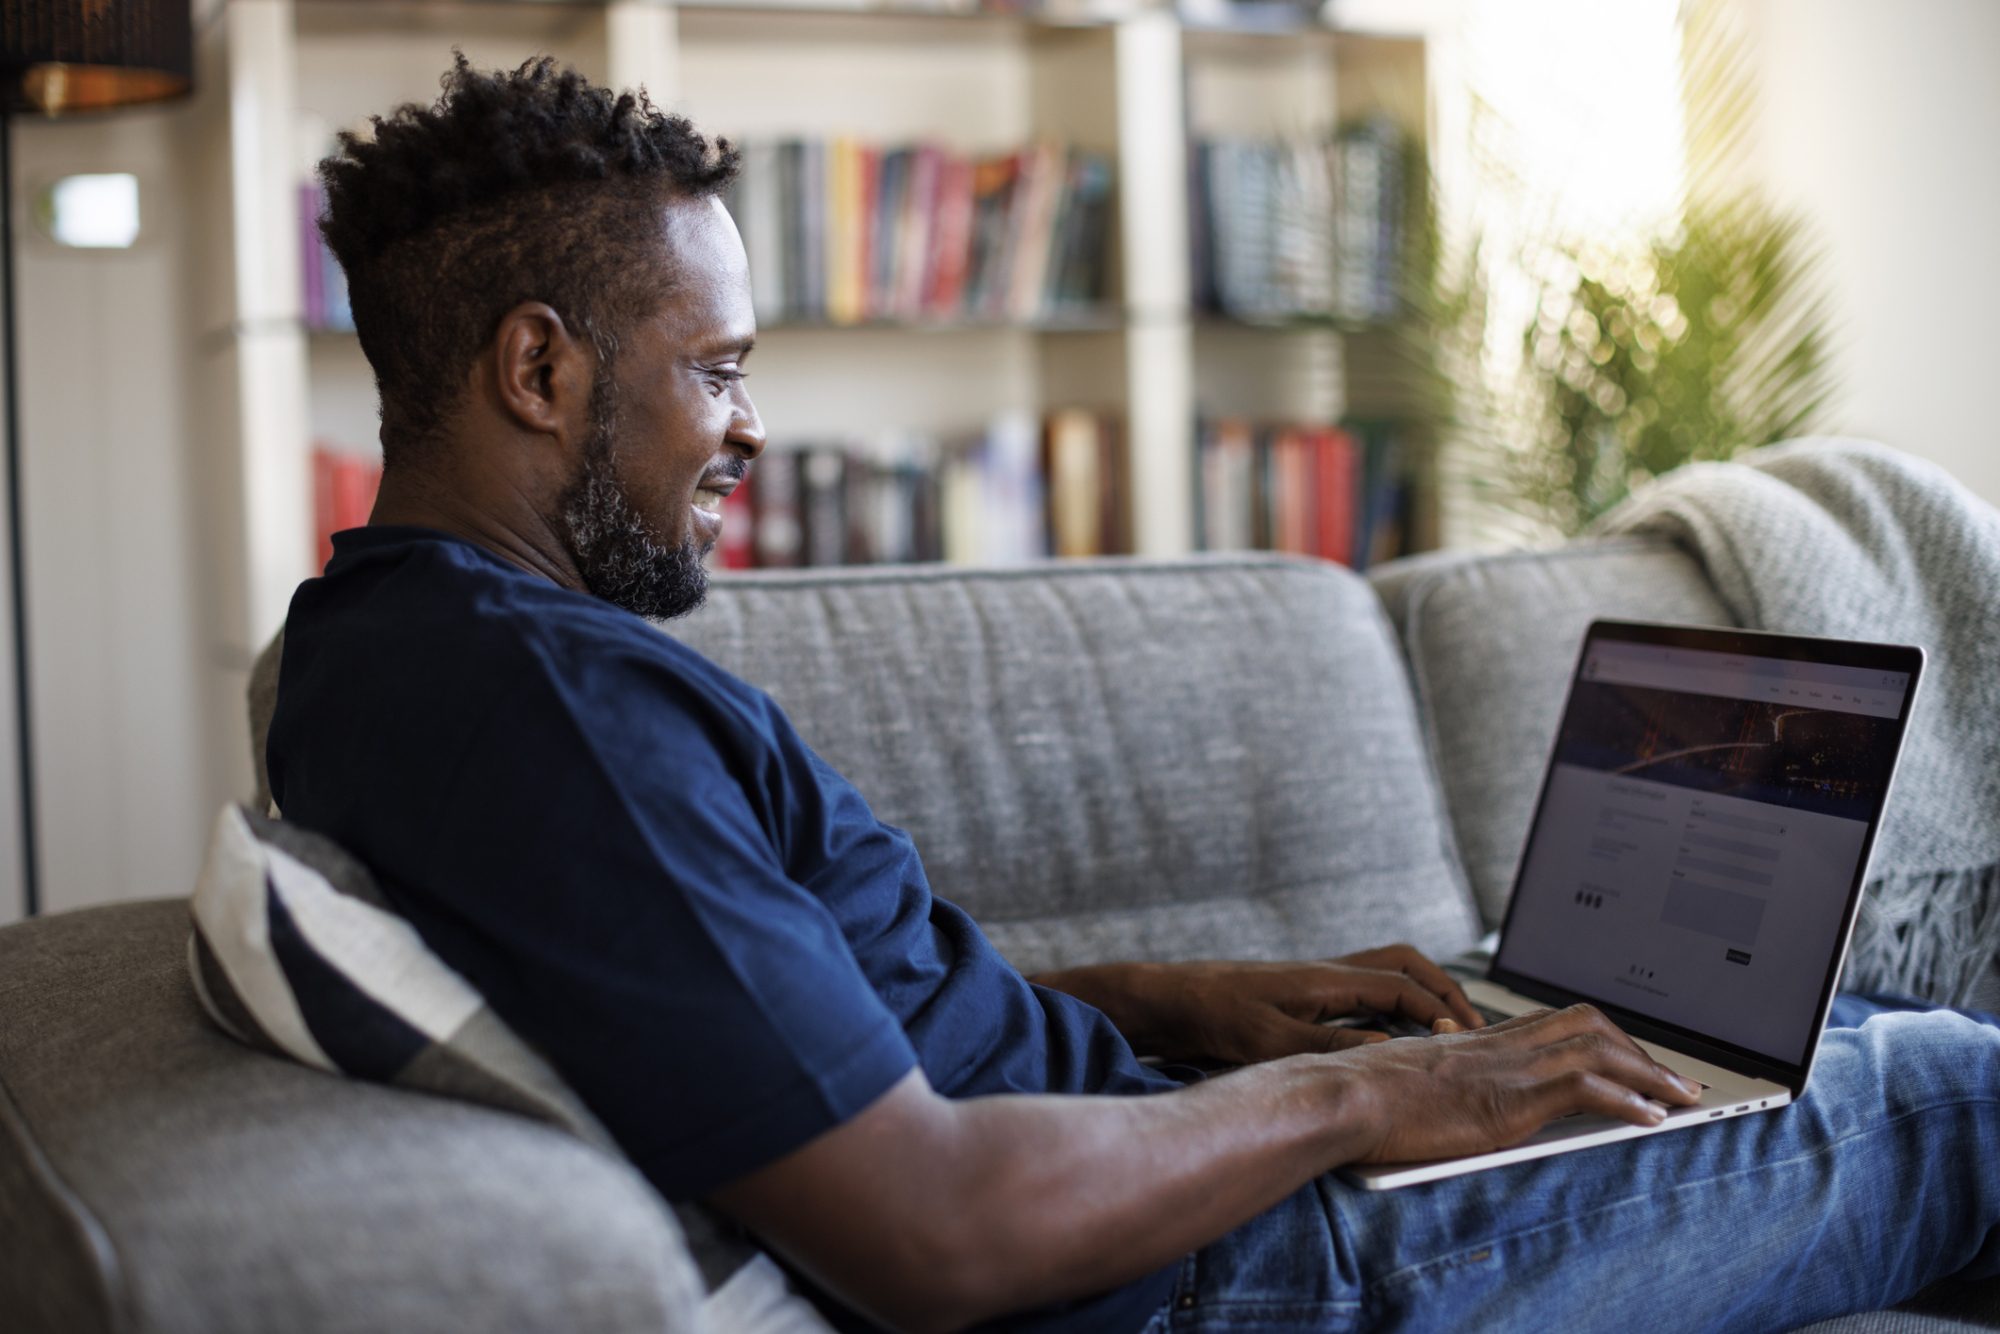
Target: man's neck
[{"x": 505, "y": 520}]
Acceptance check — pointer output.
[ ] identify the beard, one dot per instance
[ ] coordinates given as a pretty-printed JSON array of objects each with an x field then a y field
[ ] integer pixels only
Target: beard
[{"x": 623, "y": 559}]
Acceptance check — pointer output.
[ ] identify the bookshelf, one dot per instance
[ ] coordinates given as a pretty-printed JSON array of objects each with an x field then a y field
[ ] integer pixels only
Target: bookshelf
[{"x": 1137, "y": 88}]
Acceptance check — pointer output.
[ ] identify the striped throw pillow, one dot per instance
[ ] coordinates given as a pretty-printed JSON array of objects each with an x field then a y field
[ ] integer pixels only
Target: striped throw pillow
[{"x": 297, "y": 952}]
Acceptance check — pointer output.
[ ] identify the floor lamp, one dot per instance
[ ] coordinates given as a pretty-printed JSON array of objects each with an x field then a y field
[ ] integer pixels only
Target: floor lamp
[{"x": 58, "y": 58}]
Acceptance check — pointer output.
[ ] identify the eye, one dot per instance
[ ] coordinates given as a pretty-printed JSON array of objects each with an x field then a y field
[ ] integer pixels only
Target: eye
[{"x": 721, "y": 378}]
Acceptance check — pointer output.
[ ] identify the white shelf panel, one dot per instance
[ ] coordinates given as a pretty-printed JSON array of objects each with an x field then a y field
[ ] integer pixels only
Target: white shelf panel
[
  {"x": 1244, "y": 88},
  {"x": 546, "y": 19},
  {"x": 1269, "y": 374},
  {"x": 350, "y": 67},
  {"x": 823, "y": 384},
  {"x": 344, "y": 412},
  {"x": 962, "y": 82}
]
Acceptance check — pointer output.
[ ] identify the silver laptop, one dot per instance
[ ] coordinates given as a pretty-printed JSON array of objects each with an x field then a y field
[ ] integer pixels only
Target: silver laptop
[{"x": 1695, "y": 861}]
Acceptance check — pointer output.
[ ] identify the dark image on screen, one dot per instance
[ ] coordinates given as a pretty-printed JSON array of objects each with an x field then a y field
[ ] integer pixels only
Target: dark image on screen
[{"x": 1812, "y": 759}]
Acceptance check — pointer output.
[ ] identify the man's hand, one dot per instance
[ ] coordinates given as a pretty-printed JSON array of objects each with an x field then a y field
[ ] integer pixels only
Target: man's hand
[
  {"x": 1242, "y": 1013},
  {"x": 1468, "y": 1092}
]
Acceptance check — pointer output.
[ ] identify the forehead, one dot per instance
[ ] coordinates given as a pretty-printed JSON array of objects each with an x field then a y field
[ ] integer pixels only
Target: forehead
[{"x": 710, "y": 294}]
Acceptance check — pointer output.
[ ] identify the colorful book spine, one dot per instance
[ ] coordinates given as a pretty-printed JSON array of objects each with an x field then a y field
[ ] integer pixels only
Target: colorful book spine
[
  {"x": 1334, "y": 465},
  {"x": 1020, "y": 490},
  {"x": 1075, "y": 458},
  {"x": 1310, "y": 489},
  {"x": 843, "y": 239},
  {"x": 846, "y": 232},
  {"x": 950, "y": 240},
  {"x": 1298, "y": 227},
  {"x": 310, "y": 244}
]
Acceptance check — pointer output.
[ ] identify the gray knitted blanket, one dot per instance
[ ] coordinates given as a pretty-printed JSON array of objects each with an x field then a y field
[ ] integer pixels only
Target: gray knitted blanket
[{"x": 1852, "y": 539}]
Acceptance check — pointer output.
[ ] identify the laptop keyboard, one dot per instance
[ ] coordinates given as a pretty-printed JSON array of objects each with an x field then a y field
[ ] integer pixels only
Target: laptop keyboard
[{"x": 1398, "y": 1026}]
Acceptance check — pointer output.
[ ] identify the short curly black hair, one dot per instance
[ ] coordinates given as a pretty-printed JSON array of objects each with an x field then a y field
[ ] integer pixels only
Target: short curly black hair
[{"x": 522, "y": 185}]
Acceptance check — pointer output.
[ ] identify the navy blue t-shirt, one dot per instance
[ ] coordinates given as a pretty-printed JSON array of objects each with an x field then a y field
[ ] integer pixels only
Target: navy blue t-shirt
[{"x": 651, "y": 877}]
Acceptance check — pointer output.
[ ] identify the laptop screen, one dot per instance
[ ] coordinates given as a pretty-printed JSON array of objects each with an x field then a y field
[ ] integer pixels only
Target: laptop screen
[{"x": 1702, "y": 830}]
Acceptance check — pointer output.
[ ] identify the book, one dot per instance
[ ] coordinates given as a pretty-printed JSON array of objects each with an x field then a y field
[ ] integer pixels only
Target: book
[
  {"x": 1292, "y": 491},
  {"x": 845, "y": 232},
  {"x": 866, "y": 203},
  {"x": 789, "y": 278},
  {"x": 913, "y": 249},
  {"x": 950, "y": 239},
  {"x": 994, "y": 182},
  {"x": 344, "y": 487},
  {"x": 1382, "y": 508},
  {"x": 1078, "y": 277},
  {"x": 1030, "y": 232},
  {"x": 1229, "y": 485},
  {"x": 1368, "y": 164},
  {"x": 845, "y": 298},
  {"x": 823, "y": 505},
  {"x": 1074, "y": 454},
  {"x": 813, "y": 193},
  {"x": 1299, "y": 227},
  {"x": 1340, "y": 493},
  {"x": 1334, "y": 466},
  {"x": 314, "y": 285},
  {"x": 756, "y": 202},
  {"x": 985, "y": 498},
  {"x": 323, "y": 301},
  {"x": 736, "y": 549},
  {"x": 1114, "y": 507},
  {"x": 777, "y": 536},
  {"x": 888, "y": 204}
]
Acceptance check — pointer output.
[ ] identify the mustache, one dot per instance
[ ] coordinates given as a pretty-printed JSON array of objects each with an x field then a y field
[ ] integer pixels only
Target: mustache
[{"x": 734, "y": 468}]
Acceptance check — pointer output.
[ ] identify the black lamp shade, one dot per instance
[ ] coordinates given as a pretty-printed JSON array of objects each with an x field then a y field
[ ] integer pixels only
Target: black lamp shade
[{"x": 61, "y": 56}]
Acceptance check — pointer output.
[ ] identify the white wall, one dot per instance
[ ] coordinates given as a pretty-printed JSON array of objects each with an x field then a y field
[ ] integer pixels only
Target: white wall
[
  {"x": 1881, "y": 123},
  {"x": 124, "y": 780}
]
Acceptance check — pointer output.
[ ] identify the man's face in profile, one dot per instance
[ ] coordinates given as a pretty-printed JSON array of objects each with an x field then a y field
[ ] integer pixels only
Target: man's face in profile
[{"x": 672, "y": 428}]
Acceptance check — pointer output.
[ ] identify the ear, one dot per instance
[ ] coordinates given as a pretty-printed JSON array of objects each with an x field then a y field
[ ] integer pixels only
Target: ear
[{"x": 543, "y": 372}]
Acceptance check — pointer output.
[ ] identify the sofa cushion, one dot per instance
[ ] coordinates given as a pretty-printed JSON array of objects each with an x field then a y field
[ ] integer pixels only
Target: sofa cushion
[
  {"x": 179, "y": 1181},
  {"x": 1121, "y": 759},
  {"x": 1492, "y": 642}
]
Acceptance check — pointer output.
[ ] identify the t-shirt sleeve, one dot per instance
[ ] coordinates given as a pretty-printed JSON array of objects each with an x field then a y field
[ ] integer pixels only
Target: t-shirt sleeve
[{"x": 607, "y": 870}]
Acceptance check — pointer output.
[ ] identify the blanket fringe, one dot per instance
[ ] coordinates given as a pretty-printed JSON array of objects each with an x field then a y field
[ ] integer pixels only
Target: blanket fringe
[{"x": 1932, "y": 935}]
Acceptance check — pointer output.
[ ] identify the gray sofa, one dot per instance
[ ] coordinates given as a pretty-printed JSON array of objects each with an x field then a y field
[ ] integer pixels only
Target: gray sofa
[{"x": 1235, "y": 756}]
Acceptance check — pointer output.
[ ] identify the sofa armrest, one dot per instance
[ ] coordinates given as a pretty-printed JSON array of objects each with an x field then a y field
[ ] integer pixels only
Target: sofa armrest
[{"x": 206, "y": 1187}]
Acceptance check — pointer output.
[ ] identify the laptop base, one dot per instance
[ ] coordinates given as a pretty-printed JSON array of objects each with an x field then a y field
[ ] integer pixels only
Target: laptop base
[{"x": 1726, "y": 1094}]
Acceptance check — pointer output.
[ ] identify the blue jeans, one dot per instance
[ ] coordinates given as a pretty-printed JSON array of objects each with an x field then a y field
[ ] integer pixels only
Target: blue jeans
[{"x": 1883, "y": 1178}]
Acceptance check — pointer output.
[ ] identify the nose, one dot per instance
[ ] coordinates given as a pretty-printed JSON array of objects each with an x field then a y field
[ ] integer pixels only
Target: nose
[{"x": 746, "y": 428}]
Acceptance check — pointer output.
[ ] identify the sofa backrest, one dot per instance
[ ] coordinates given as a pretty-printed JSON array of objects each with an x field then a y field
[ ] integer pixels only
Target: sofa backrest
[
  {"x": 1113, "y": 759},
  {"x": 1121, "y": 759},
  {"x": 1491, "y": 643}
]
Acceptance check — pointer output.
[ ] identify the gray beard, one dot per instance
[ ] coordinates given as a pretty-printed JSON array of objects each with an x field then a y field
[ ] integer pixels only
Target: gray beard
[{"x": 621, "y": 557}]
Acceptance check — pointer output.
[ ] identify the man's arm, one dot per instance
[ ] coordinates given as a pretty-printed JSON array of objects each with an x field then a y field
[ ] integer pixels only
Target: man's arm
[{"x": 930, "y": 1214}]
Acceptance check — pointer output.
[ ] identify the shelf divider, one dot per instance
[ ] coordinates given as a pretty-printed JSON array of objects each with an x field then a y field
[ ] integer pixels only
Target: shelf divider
[{"x": 1159, "y": 350}]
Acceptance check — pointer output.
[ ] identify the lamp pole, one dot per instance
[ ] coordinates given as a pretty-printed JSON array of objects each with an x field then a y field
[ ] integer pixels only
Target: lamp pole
[{"x": 17, "y": 574}]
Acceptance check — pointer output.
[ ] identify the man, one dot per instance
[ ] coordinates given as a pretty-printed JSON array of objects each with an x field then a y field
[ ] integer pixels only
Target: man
[{"x": 650, "y": 875}]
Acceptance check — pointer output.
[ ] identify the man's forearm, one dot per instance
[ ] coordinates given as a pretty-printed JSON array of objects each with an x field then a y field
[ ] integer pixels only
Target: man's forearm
[
  {"x": 1010, "y": 1202},
  {"x": 1080, "y": 1194}
]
